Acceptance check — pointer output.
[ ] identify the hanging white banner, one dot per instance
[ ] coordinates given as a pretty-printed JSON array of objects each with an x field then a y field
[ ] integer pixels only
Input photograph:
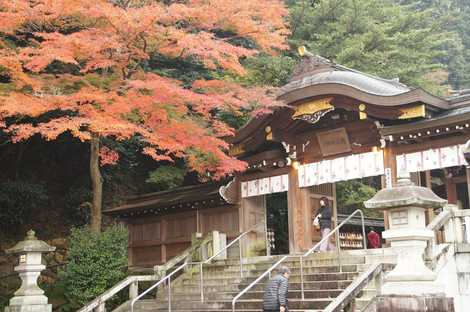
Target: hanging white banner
[
  {"x": 265, "y": 186},
  {"x": 444, "y": 157},
  {"x": 342, "y": 169}
]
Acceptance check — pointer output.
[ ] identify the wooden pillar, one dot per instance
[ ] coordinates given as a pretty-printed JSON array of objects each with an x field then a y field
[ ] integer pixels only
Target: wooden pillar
[
  {"x": 451, "y": 189},
  {"x": 390, "y": 162},
  {"x": 307, "y": 218},
  {"x": 467, "y": 173},
  {"x": 130, "y": 250},
  {"x": 415, "y": 178},
  {"x": 298, "y": 203},
  {"x": 241, "y": 218},
  {"x": 164, "y": 232},
  {"x": 430, "y": 211}
]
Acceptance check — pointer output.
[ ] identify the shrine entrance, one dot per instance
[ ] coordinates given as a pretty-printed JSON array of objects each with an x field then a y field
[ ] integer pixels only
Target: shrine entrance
[{"x": 277, "y": 223}]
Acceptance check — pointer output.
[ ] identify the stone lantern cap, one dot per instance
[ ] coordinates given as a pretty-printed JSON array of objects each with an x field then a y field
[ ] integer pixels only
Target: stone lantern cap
[
  {"x": 405, "y": 194},
  {"x": 30, "y": 244}
]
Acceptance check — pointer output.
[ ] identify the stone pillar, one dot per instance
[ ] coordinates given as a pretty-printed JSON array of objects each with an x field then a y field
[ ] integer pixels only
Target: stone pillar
[
  {"x": 29, "y": 297},
  {"x": 410, "y": 286}
]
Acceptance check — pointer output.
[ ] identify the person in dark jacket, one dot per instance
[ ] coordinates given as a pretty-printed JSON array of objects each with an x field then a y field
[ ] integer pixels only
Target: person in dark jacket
[
  {"x": 324, "y": 215},
  {"x": 275, "y": 294}
]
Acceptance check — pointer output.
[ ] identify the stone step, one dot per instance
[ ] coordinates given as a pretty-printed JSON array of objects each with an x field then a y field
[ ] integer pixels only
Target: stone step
[
  {"x": 294, "y": 278},
  {"x": 258, "y": 270},
  {"x": 256, "y": 294},
  {"x": 324, "y": 280},
  {"x": 255, "y": 274},
  {"x": 308, "y": 285},
  {"x": 228, "y": 310},
  {"x": 244, "y": 304},
  {"x": 317, "y": 259},
  {"x": 222, "y": 310},
  {"x": 141, "y": 306}
]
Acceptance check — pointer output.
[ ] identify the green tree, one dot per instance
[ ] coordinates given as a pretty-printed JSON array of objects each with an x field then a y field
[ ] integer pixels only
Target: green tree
[
  {"x": 96, "y": 262},
  {"x": 455, "y": 15},
  {"x": 269, "y": 70},
  {"x": 167, "y": 177},
  {"x": 352, "y": 194},
  {"x": 376, "y": 36}
]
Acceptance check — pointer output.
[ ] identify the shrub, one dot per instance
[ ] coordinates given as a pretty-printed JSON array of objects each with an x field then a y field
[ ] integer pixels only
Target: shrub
[
  {"x": 18, "y": 199},
  {"x": 95, "y": 263}
]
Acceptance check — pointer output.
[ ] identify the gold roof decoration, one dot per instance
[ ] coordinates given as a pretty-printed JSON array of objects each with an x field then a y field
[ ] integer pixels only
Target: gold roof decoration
[{"x": 312, "y": 111}]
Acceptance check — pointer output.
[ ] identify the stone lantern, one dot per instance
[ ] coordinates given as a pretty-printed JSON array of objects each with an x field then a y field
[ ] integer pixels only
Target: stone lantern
[
  {"x": 29, "y": 297},
  {"x": 411, "y": 283}
]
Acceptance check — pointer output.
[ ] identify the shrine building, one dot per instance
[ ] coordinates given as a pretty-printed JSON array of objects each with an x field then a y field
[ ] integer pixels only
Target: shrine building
[{"x": 338, "y": 125}]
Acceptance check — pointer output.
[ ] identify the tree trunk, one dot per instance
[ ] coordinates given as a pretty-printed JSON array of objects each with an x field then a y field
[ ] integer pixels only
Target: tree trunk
[{"x": 96, "y": 183}]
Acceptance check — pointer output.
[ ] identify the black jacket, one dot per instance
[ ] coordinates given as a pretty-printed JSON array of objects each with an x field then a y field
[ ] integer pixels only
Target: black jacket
[
  {"x": 275, "y": 294},
  {"x": 325, "y": 219}
]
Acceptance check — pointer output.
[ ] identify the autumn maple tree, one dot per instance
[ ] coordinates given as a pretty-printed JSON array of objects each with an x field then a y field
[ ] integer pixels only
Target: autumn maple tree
[{"x": 79, "y": 66}]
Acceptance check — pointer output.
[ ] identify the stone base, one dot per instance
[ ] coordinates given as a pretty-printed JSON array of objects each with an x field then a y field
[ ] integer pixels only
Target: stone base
[
  {"x": 28, "y": 300},
  {"x": 412, "y": 288},
  {"x": 30, "y": 308},
  {"x": 403, "y": 303}
]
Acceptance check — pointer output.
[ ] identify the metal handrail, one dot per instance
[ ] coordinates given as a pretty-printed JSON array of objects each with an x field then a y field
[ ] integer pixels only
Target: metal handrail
[
  {"x": 257, "y": 280},
  {"x": 168, "y": 277},
  {"x": 338, "y": 246},
  {"x": 347, "y": 296},
  {"x": 305, "y": 255},
  {"x": 216, "y": 255}
]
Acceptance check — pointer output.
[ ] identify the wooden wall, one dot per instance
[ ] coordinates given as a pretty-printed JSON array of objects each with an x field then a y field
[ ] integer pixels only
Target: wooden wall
[{"x": 154, "y": 240}]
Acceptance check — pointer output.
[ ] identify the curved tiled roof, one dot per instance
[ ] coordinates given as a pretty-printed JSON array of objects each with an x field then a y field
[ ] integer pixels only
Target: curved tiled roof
[
  {"x": 316, "y": 76},
  {"x": 360, "y": 81}
]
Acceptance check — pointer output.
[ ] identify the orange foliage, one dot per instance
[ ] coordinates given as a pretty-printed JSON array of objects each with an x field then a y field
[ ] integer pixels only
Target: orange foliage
[
  {"x": 108, "y": 156},
  {"x": 79, "y": 38}
]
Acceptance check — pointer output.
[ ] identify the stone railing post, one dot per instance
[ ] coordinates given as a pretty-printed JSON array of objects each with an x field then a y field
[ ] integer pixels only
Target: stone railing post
[
  {"x": 29, "y": 297},
  {"x": 101, "y": 307},
  {"x": 411, "y": 285},
  {"x": 378, "y": 281},
  {"x": 133, "y": 290},
  {"x": 450, "y": 230},
  {"x": 459, "y": 233}
]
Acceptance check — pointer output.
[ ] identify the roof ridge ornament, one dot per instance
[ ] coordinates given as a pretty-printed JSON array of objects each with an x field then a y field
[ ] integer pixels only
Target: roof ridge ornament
[{"x": 310, "y": 64}]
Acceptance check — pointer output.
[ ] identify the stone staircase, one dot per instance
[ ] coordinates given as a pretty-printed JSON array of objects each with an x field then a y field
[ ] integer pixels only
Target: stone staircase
[{"x": 324, "y": 280}]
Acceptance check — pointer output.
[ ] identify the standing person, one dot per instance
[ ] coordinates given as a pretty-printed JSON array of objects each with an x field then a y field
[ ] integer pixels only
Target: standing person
[
  {"x": 324, "y": 219},
  {"x": 275, "y": 294},
  {"x": 374, "y": 239}
]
